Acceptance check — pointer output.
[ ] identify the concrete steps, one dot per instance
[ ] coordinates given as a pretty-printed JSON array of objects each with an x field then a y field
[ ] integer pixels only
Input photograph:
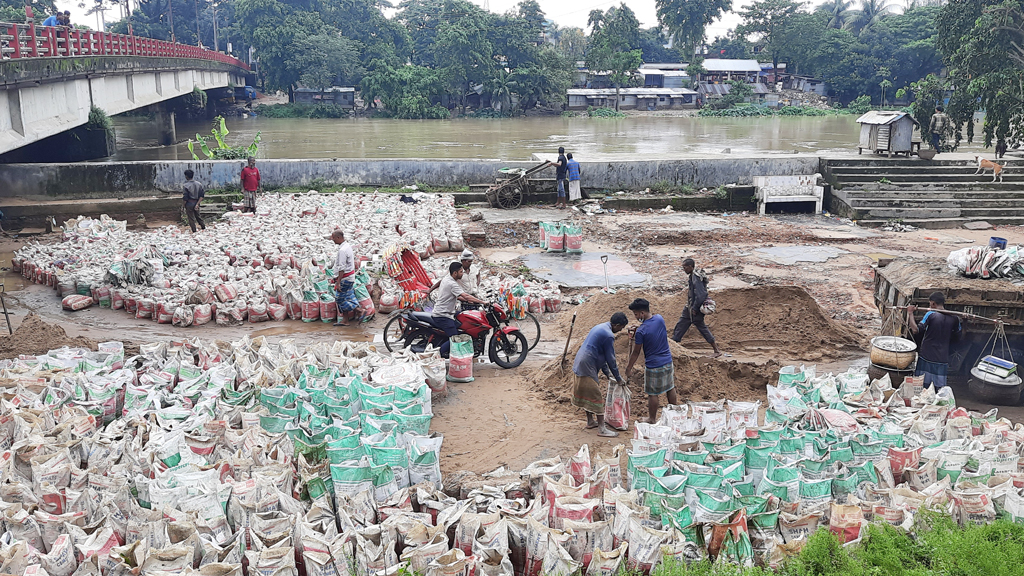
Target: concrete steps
[{"x": 937, "y": 194}]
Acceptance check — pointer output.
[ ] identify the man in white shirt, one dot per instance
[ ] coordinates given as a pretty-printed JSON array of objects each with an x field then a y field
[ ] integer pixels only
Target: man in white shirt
[
  {"x": 470, "y": 281},
  {"x": 447, "y": 304},
  {"x": 344, "y": 283}
]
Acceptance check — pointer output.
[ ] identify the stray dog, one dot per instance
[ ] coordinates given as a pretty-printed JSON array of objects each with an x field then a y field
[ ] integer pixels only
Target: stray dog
[{"x": 986, "y": 165}]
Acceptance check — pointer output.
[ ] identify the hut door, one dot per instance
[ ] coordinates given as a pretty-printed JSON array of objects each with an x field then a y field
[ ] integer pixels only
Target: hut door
[{"x": 883, "y": 137}]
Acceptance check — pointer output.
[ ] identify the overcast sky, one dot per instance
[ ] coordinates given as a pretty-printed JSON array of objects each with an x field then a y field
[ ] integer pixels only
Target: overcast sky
[{"x": 564, "y": 12}]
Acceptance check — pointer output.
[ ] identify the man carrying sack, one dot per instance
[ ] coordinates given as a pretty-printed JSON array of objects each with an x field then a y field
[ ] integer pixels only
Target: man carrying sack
[{"x": 597, "y": 354}]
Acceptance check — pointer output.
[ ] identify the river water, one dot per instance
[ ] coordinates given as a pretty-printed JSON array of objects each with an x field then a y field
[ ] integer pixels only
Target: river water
[{"x": 634, "y": 137}]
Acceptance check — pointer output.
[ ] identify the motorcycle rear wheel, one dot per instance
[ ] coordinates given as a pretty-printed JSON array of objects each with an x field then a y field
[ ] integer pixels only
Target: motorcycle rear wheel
[{"x": 396, "y": 339}]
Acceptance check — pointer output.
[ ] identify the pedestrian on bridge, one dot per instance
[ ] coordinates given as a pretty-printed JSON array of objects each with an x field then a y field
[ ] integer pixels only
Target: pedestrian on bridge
[
  {"x": 194, "y": 194},
  {"x": 52, "y": 20},
  {"x": 250, "y": 185}
]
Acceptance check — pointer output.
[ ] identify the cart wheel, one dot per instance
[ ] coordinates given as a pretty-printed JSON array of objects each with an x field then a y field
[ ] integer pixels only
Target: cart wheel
[{"x": 510, "y": 197}]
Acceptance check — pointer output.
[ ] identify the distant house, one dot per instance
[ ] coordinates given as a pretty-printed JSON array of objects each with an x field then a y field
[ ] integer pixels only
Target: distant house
[
  {"x": 646, "y": 98},
  {"x": 344, "y": 96},
  {"x": 719, "y": 70},
  {"x": 808, "y": 84},
  {"x": 654, "y": 78}
]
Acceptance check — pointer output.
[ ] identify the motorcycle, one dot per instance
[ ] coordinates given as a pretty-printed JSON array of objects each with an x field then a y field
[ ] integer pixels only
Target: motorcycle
[{"x": 507, "y": 346}]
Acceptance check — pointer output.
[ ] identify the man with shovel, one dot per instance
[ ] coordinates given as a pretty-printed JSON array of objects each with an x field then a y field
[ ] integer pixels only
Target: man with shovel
[{"x": 597, "y": 354}]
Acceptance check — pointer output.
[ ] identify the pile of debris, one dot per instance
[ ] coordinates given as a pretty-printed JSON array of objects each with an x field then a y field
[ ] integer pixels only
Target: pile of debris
[{"x": 988, "y": 262}]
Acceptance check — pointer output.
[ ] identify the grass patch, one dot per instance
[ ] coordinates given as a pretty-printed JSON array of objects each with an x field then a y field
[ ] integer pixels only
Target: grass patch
[{"x": 939, "y": 547}]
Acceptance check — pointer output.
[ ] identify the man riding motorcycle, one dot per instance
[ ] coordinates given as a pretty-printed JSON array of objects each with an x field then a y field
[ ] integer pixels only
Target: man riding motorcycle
[{"x": 450, "y": 293}]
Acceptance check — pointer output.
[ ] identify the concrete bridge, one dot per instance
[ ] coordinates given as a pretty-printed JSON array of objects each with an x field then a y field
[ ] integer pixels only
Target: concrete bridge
[{"x": 51, "y": 77}]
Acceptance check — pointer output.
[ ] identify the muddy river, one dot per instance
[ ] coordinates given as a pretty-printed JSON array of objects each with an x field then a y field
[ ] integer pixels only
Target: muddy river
[{"x": 518, "y": 139}]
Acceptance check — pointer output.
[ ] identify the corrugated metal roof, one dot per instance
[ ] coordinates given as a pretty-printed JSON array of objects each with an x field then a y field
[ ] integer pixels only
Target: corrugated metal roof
[
  {"x": 666, "y": 73},
  {"x": 726, "y": 65},
  {"x": 883, "y": 117},
  {"x": 630, "y": 92}
]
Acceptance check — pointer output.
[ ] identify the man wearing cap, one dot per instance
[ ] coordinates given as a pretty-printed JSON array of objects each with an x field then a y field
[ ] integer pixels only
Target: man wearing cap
[
  {"x": 940, "y": 330},
  {"x": 597, "y": 355},
  {"x": 345, "y": 266},
  {"x": 470, "y": 280}
]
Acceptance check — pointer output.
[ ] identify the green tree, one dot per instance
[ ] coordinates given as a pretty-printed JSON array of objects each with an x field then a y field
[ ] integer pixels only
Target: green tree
[
  {"x": 615, "y": 46},
  {"x": 326, "y": 59},
  {"x": 572, "y": 43},
  {"x": 870, "y": 13},
  {"x": 731, "y": 46},
  {"x": 982, "y": 43},
  {"x": 839, "y": 12},
  {"x": 653, "y": 47},
  {"x": 767, "y": 20},
  {"x": 686, "y": 20}
]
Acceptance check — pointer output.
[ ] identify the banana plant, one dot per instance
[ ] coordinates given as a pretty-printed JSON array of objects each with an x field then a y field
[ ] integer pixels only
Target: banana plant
[{"x": 222, "y": 151}]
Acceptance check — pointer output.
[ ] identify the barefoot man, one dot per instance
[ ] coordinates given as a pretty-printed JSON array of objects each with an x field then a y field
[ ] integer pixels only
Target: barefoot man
[
  {"x": 597, "y": 355},
  {"x": 695, "y": 297},
  {"x": 651, "y": 338}
]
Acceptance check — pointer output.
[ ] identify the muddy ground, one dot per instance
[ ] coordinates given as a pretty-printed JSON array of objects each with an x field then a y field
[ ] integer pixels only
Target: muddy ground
[{"x": 775, "y": 308}]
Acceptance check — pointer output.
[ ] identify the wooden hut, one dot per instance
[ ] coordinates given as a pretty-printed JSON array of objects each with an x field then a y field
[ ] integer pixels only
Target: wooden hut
[{"x": 887, "y": 132}]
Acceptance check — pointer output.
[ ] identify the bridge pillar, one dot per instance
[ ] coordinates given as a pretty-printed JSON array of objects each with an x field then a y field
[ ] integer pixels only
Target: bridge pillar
[{"x": 165, "y": 125}]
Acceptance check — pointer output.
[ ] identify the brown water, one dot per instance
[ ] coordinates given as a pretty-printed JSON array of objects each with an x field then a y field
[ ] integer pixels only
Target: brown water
[{"x": 518, "y": 139}]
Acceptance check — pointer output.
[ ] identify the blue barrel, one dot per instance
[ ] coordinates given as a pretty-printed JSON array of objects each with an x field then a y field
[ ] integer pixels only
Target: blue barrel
[{"x": 997, "y": 242}]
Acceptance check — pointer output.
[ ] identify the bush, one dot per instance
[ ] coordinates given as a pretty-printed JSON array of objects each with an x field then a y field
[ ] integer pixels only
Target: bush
[
  {"x": 98, "y": 120},
  {"x": 297, "y": 110},
  {"x": 860, "y": 105},
  {"x": 489, "y": 113},
  {"x": 604, "y": 113}
]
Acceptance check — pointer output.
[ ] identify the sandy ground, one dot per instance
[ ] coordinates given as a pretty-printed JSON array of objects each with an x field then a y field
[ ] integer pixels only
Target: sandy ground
[{"x": 513, "y": 417}]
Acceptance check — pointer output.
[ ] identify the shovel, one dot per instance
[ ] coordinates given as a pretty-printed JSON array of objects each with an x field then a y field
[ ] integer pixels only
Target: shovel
[
  {"x": 561, "y": 365},
  {"x": 604, "y": 260}
]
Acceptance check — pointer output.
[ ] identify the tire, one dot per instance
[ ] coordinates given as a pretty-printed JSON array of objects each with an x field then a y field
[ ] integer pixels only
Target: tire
[
  {"x": 395, "y": 338},
  {"x": 530, "y": 327},
  {"x": 512, "y": 352}
]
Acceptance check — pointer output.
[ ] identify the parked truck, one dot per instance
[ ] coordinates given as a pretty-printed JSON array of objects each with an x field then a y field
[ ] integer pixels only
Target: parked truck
[{"x": 908, "y": 281}]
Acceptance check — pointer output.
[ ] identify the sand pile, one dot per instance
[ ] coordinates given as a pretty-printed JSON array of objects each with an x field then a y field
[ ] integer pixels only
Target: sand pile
[
  {"x": 772, "y": 324},
  {"x": 780, "y": 322},
  {"x": 34, "y": 337}
]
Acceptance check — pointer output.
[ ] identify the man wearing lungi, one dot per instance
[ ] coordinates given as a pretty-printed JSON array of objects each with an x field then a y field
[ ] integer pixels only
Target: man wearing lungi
[
  {"x": 651, "y": 338},
  {"x": 596, "y": 355}
]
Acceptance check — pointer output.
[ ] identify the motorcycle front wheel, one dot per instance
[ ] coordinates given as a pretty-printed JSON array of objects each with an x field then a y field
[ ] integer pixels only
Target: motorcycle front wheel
[{"x": 508, "y": 350}]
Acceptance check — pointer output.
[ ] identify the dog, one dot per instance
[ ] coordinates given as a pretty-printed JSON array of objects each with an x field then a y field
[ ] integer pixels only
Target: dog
[{"x": 985, "y": 165}]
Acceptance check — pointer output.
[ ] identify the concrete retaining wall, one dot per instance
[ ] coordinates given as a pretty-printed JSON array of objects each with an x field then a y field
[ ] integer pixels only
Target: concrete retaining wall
[{"x": 98, "y": 180}]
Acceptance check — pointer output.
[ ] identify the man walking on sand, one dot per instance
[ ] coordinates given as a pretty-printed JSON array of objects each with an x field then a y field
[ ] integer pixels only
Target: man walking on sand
[
  {"x": 695, "y": 298},
  {"x": 193, "y": 195},
  {"x": 940, "y": 330},
  {"x": 596, "y": 355},
  {"x": 344, "y": 283},
  {"x": 250, "y": 185},
  {"x": 651, "y": 338}
]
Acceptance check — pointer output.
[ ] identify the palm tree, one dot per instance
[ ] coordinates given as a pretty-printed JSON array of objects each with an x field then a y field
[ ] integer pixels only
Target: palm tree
[
  {"x": 501, "y": 87},
  {"x": 870, "y": 13},
  {"x": 838, "y": 12}
]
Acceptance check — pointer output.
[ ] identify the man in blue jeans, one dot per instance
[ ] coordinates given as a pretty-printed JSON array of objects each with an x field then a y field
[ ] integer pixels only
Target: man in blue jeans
[
  {"x": 940, "y": 330},
  {"x": 447, "y": 304},
  {"x": 560, "y": 170}
]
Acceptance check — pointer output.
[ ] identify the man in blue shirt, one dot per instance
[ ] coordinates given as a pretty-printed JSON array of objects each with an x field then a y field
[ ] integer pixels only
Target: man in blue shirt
[
  {"x": 573, "y": 169},
  {"x": 651, "y": 338},
  {"x": 940, "y": 330},
  {"x": 596, "y": 355},
  {"x": 51, "y": 20}
]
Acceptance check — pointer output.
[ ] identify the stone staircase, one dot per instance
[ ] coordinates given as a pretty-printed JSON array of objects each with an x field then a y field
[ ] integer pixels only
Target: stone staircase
[{"x": 927, "y": 194}]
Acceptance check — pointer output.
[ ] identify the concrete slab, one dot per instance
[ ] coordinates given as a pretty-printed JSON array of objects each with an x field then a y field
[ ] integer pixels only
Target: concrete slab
[
  {"x": 793, "y": 254},
  {"x": 847, "y": 233},
  {"x": 584, "y": 270},
  {"x": 684, "y": 221}
]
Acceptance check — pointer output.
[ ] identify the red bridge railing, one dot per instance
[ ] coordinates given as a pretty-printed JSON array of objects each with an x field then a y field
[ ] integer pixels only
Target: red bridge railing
[{"x": 18, "y": 41}]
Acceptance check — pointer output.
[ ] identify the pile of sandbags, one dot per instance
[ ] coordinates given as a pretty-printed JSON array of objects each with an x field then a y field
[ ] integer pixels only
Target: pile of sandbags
[
  {"x": 249, "y": 267},
  {"x": 987, "y": 262}
]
